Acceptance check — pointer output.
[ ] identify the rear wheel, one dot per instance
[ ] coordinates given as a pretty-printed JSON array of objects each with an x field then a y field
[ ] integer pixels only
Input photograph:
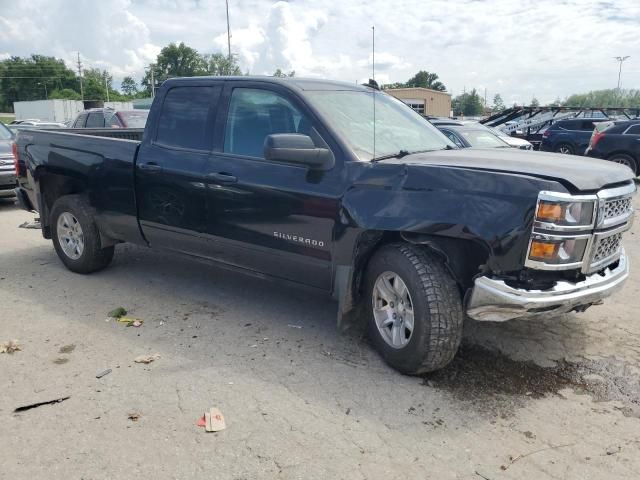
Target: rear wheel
[
  {"x": 414, "y": 309},
  {"x": 564, "y": 148},
  {"x": 76, "y": 237},
  {"x": 627, "y": 160}
]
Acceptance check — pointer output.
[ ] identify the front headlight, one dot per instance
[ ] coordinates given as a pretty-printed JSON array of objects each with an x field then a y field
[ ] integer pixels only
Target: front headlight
[{"x": 554, "y": 213}]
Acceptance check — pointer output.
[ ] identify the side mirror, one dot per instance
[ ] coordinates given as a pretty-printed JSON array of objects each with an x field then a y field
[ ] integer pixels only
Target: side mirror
[{"x": 298, "y": 149}]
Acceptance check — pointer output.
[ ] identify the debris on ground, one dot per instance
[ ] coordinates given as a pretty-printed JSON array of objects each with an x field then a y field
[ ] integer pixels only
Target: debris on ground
[
  {"x": 10, "y": 347},
  {"x": 131, "y": 321},
  {"x": 67, "y": 348},
  {"x": 212, "y": 420},
  {"x": 104, "y": 373},
  {"x": 61, "y": 360},
  {"x": 134, "y": 416},
  {"x": 35, "y": 225},
  {"x": 294, "y": 326},
  {"x": 117, "y": 313},
  {"x": 613, "y": 449},
  {"x": 146, "y": 358},
  {"x": 40, "y": 404}
]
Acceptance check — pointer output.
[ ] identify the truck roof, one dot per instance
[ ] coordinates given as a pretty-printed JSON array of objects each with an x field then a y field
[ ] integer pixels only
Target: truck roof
[{"x": 299, "y": 83}]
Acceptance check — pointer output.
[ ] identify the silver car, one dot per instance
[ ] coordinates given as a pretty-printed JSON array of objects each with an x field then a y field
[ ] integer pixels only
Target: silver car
[{"x": 7, "y": 169}]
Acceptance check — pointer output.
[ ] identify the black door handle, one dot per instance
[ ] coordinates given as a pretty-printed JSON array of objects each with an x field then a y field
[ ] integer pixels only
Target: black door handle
[
  {"x": 222, "y": 177},
  {"x": 150, "y": 167}
]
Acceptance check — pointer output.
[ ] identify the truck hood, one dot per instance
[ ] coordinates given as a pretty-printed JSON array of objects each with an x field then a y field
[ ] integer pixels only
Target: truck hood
[{"x": 581, "y": 173}]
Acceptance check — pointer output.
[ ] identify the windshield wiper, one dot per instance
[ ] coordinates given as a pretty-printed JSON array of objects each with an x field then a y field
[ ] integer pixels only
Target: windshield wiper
[{"x": 399, "y": 154}]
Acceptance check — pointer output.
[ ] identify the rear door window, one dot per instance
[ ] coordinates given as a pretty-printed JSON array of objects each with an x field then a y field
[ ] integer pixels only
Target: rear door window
[
  {"x": 95, "y": 120},
  {"x": 634, "y": 130},
  {"x": 186, "y": 118}
]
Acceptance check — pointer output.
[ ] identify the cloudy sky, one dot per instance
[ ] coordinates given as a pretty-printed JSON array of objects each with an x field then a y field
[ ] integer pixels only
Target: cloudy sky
[{"x": 518, "y": 48}]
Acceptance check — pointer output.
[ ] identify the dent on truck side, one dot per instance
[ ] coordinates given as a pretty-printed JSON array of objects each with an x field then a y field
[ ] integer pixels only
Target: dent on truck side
[{"x": 478, "y": 221}]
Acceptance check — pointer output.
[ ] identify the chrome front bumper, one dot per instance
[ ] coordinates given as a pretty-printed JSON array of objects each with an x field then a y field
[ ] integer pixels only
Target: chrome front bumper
[{"x": 495, "y": 301}]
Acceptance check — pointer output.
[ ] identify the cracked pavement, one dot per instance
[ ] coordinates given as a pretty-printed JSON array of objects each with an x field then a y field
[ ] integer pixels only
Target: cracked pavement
[{"x": 299, "y": 403}]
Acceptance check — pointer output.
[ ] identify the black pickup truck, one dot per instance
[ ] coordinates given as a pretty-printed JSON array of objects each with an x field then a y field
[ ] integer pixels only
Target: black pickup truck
[{"x": 304, "y": 182}]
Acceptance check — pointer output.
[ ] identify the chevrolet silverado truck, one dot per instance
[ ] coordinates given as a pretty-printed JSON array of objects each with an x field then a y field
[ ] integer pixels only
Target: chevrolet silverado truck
[{"x": 305, "y": 182}]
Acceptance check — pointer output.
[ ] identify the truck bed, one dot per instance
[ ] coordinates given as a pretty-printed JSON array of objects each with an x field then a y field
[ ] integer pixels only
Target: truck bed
[{"x": 98, "y": 162}]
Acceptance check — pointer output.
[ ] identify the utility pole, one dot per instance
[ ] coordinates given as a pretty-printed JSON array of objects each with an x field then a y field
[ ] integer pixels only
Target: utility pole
[
  {"x": 620, "y": 59},
  {"x": 80, "y": 75},
  {"x": 106, "y": 84},
  {"x": 153, "y": 83},
  {"x": 228, "y": 32}
]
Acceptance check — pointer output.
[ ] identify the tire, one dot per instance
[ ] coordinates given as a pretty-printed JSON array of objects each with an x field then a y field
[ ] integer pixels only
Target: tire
[
  {"x": 564, "y": 148},
  {"x": 435, "y": 302},
  {"x": 72, "y": 224},
  {"x": 624, "y": 159}
]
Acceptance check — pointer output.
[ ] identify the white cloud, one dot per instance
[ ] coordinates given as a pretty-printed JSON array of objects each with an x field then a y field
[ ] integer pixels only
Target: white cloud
[{"x": 546, "y": 48}]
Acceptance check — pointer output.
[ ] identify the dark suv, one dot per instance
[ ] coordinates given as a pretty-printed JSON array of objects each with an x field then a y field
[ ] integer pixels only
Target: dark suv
[
  {"x": 569, "y": 136},
  {"x": 618, "y": 142},
  {"x": 110, "y": 118}
]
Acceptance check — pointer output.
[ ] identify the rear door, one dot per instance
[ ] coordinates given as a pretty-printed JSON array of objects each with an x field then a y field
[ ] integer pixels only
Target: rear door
[
  {"x": 271, "y": 217},
  {"x": 170, "y": 169}
]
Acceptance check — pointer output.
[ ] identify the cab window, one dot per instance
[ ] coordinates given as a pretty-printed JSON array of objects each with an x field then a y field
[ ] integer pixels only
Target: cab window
[{"x": 253, "y": 115}]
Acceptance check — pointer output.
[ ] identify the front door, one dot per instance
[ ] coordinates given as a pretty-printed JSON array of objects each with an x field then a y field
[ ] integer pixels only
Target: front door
[
  {"x": 271, "y": 217},
  {"x": 170, "y": 171}
]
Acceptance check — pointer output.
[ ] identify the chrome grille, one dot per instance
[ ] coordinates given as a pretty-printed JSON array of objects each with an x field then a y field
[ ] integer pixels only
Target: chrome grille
[
  {"x": 616, "y": 208},
  {"x": 607, "y": 247}
]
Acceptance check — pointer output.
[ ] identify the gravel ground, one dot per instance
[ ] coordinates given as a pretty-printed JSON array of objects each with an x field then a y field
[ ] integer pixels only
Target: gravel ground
[{"x": 556, "y": 398}]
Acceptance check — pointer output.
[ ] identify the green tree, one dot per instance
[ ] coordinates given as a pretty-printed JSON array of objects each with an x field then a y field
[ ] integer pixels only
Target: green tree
[
  {"x": 175, "y": 60},
  {"x": 65, "y": 94},
  {"x": 468, "y": 104},
  {"x": 26, "y": 79},
  {"x": 605, "y": 98},
  {"x": 129, "y": 86},
  {"x": 425, "y": 79},
  {"x": 556, "y": 103},
  {"x": 217, "y": 64},
  {"x": 534, "y": 102},
  {"x": 498, "y": 103},
  {"x": 280, "y": 73}
]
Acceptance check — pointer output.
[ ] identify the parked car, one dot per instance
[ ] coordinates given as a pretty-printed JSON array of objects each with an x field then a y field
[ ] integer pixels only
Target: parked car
[
  {"x": 618, "y": 142},
  {"x": 472, "y": 135},
  {"x": 514, "y": 142},
  {"x": 7, "y": 168},
  {"x": 569, "y": 136},
  {"x": 505, "y": 137},
  {"x": 18, "y": 122},
  {"x": 110, "y": 118},
  {"x": 34, "y": 124},
  {"x": 286, "y": 179}
]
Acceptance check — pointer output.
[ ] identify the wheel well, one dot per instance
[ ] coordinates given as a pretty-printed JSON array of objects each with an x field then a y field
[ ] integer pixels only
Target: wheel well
[
  {"x": 463, "y": 258},
  {"x": 52, "y": 187}
]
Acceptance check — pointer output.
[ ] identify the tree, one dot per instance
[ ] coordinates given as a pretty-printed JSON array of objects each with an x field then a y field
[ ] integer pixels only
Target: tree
[
  {"x": 26, "y": 79},
  {"x": 129, "y": 86},
  {"x": 534, "y": 102},
  {"x": 498, "y": 103},
  {"x": 280, "y": 73},
  {"x": 555, "y": 103},
  {"x": 65, "y": 94},
  {"x": 217, "y": 64},
  {"x": 468, "y": 104},
  {"x": 425, "y": 79},
  {"x": 184, "y": 61},
  {"x": 605, "y": 98}
]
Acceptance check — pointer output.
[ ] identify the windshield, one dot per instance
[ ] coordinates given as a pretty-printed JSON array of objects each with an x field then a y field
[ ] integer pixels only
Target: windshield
[
  {"x": 135, "y": 119},
  {"x": 397, "y": 126},
  {"x": 481, "y": 138}
]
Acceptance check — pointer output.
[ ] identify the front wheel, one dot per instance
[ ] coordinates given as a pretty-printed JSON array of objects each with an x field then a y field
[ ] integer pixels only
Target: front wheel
[
  {"x": 564, "y": 148},
  {"x": 415, "y": 309},
  {"x": 76, "y": 237}
]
